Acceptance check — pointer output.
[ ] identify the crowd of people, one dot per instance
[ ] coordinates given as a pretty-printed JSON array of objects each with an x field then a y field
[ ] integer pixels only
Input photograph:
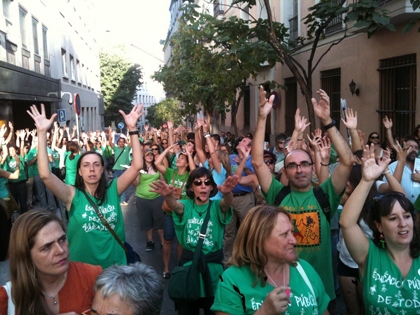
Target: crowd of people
[{"x": 275, "y": 216}]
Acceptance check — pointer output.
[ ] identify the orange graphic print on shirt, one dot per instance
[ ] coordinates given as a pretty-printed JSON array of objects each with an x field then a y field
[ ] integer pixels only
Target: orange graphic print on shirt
[{"x": 306, "y": 228}]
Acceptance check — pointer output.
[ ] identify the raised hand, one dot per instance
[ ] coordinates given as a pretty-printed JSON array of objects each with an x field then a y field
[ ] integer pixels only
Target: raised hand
[
  {"x": 351, "y": 119},
  {"x": 300, "y": 122},
  {"x": 322, "y": 108},
  {"x": 370, "y": 170},
  {"x": 266, "y": 105},
  {"x": 42, "y": 123},
  {"x": 132, "y": 118},
  {"x": 229, "y": 184},
  {"x": 161, "y": 187},
  {"x": 387, "y": 122}
]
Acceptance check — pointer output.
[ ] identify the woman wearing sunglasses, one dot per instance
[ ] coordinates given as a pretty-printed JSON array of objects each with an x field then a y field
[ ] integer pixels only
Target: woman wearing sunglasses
[
  {"x": 373, "y": 138},
  {"x": 188, "y": 217},
  {"x": 388, "y": 264}
]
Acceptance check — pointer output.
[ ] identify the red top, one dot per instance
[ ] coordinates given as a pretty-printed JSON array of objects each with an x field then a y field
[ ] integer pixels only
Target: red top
[{"x": 77, "y": 293}]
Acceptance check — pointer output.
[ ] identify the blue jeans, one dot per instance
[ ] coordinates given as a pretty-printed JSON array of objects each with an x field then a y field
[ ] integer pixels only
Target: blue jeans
[{"x": 118, "y": 173}]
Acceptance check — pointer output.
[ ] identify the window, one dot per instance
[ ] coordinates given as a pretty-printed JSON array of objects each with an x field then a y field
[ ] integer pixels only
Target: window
[
  {"x": 35, "y": 35},
  {"x": 217, "y": 9},
  {"x": 293, "y": 22},
  {"x": 72, "y": 69},
  {"x": 45, "y": 42},
  {"x": 397, "y": 97},
  {"x": 79, "y": 72},
  {"x": 22, "y": 21},
  {"x": 64, "y": 63},
  {"x": 331, "y": 84},
  {"x": 290, "y": 103},
  {"x": 336, "y": 24}
]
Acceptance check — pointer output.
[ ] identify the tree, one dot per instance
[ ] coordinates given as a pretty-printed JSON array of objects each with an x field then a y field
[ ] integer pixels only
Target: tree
[
  {"x": 210, "y": 71},
  {"x": 366, "y": 15},
  {"x": 163, "y": 111},
  {"x": 119, "y": 83}
]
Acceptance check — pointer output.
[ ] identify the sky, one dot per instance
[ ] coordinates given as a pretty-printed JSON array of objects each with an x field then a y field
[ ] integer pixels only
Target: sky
[{"x": 139, "y": 22}]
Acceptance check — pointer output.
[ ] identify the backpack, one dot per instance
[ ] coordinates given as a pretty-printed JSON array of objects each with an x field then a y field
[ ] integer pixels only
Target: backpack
[{"x": 320, "y": 196}]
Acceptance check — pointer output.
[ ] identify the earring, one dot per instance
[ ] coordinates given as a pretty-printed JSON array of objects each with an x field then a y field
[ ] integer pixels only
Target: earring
[{"x": 382, "y": 240}]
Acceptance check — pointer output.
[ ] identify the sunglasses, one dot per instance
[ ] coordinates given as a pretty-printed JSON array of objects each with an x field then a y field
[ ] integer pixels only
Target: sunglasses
[
  {"x": 374, "y": 137},
  {"x": 155, "y": 149},
  {"x": 198, "y": 182},
  {"x": 164, "y": 142},
  {"x": 269, "y": 162}
]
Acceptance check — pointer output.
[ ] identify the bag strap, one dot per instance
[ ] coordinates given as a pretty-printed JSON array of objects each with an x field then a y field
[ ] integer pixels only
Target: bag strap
[
  {"x": 305, "y": 277},
  {"x": 119, "y": 155},
  {"x": 101, "y": 217},
  {"x": 201, "y": 236}
]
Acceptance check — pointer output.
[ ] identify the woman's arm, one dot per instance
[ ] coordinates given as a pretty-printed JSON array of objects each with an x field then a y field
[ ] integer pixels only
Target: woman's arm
[
  {"x": 132, "y": 172},
  {"x": 162, "y": 188},
  {"x": 198, "y": 143},
  {"x": 158, "y": 162},
  {"x": 214, "y": 158},
  {"x": 356, "y": 241},
  {"x": 351, "y": 124},
  {"x": 62, "y": 191},
  {"x": 226, "y": 190}
]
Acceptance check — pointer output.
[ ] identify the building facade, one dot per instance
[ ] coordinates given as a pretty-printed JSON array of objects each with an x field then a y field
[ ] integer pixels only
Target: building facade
[
  {"x": 384, "y": 68},
  {"x": 48, "y": 53}
]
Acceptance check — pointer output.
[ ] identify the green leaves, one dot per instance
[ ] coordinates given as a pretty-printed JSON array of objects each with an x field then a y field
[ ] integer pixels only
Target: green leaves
[{"x": 119, "y": 83}]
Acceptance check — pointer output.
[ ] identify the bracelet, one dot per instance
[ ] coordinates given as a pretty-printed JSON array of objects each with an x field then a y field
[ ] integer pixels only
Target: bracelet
[
  {"x": 133, "y": 133},
  {"x": 386, "y": 172},
  {"x": 325, "y": 164},
  {"x": 300, "y": 139},
  {"x": 207, "y": 135},
  {"x": 330, "y": 125}
]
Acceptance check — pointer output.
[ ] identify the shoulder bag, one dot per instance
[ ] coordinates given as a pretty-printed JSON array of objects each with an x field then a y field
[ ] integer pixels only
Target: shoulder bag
[
  {"x": 184, "y": 284},
  {"x": 132, "y": 256}
]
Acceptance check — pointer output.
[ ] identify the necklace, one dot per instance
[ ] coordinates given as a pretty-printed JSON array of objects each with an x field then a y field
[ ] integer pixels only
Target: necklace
[
  {"x": 200, "y": 213},
  {"x": 287, "y": 291},
  {"x": 54, "y": 297}
]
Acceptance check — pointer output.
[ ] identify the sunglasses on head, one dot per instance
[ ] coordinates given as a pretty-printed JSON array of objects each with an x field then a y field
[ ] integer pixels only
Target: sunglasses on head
[{"x": 198, "y": 182}]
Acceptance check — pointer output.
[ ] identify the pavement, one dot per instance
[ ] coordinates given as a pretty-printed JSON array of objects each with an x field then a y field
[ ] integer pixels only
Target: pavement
[{"x": 138, "y": 240}]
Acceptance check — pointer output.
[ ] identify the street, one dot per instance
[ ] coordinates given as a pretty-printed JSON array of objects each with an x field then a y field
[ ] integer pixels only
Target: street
[{"x": 137, "y": 239}]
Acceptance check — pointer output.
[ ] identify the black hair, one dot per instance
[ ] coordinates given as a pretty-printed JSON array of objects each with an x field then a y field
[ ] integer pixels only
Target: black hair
[
  {"x": 382, "y": 206},
  {"x": 198, "y": 173},
  {"x": 100, "y": 192},
  {"x": 215, "y": 136}
]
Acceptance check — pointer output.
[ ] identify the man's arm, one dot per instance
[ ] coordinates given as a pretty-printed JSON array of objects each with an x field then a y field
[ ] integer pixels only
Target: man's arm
[
  {"x": 261, "y": 170},
  {"x": 342, "y": 171}
]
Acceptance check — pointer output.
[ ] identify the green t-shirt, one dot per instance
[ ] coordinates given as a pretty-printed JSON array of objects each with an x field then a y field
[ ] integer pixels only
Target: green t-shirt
[
  {"x": 89, "y": 240},
  {"x": 237, "y": 288},
  {"x": 173, "y": 178},
  {"x": 108, "y": 152},
  {"x": 188, "y": 229},
  {"x": 121, "y": 158},
  {"x": 384, "y": 289},
  {"x": 10, "y": 166},
  {"x": 311, "y": 227},
  {"x": 30, "y": 167},
  {"x": 142, "y": 190},
  {"x": 56, "y": 158},
  {"x": 71, "y": 168},
  {"x": 33, "y": 153}
]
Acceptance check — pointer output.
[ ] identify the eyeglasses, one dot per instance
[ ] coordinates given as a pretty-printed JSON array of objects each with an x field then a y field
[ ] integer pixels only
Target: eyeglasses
[
  {"x": 374, "y": 137},
  {"x": 198, "y": 182},
  {"x": 269, "y": 162},
  {"x": 294, "y": 166},
  {"x": 155, "y": 149},
  {"x": 164, "y": 142}
]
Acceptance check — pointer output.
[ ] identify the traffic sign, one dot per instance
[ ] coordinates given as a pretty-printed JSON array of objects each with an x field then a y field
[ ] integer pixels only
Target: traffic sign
[
  {"x": 76, "y": 104},
  {"x": 61, "y": 115},
  {"x": 120, "y": 125}
]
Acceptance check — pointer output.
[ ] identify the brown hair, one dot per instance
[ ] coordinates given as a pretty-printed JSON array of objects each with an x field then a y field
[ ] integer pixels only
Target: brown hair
[
  {"x": 255, "y": 229},
  {"x": 26, "y": 289}
]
